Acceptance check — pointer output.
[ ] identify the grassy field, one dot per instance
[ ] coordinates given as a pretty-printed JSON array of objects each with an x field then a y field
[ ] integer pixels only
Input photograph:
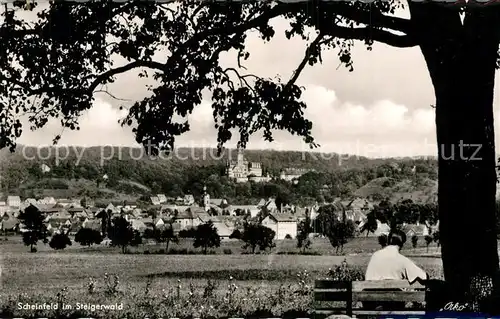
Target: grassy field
[
  {"x": 359, "y": 245},
  {"x": 171, "y": 284}
]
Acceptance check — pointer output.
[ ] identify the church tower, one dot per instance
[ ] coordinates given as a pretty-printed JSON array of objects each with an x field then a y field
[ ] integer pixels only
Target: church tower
[
  {"x": 240, "y": 158},
  {"x": 206, "y": 199}
]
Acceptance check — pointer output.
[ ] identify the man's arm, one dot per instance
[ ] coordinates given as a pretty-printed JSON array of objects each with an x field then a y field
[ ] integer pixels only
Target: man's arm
[{"x": 413, "y": 273}]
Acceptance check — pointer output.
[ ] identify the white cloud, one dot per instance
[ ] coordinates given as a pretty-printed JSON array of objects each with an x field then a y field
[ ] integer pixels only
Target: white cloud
[
  {"x": 381, "y": 129},
  {"x": 98, "y": 126}
]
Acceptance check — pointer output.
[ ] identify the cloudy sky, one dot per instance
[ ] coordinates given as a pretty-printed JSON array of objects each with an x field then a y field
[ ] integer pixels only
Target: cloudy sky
[{"x": 382, "y": 109}]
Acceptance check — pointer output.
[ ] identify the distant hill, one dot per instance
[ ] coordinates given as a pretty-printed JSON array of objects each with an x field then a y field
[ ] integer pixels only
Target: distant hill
[
  {"x": 122, "y": 172},
  {"x": 418, "y": 189}
]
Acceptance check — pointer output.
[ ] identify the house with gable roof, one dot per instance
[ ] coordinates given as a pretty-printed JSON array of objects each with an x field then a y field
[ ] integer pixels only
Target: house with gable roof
[
  {"x": 162, "y": 198},
  {"x": 155, "y": 200},
  {"x": 283, "y": 224}
]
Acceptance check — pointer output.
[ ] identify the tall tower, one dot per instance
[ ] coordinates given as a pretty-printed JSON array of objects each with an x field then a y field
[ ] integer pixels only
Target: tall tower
[
  {"x": 240, "y": 158},
  {"x": 206, "y": 199}
]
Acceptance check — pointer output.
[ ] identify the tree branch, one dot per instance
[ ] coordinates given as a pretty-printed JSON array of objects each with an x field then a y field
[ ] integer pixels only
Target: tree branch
[
  {"x": 303, "y": 63},
  {"x": 399, "y": 41},
  {"x": 127, "y": 67},
  {"x": 370, "y": 17}
]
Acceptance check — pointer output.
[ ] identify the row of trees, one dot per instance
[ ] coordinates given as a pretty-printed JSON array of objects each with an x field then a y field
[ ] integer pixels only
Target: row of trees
[
  {"x": 429, "y": 239},
  {"x": 395, "y": 215},
  {"x": 121, "y": 234},
  {"x": 331, "y": 223}
]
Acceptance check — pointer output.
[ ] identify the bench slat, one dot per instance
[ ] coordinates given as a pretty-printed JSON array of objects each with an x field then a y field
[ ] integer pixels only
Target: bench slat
[
  {"x": 384, "y": 284},
  {"x": 406, "y": 296},
  {"x": 332, "y": 295},
  {"x": 370, "y": 312},
  {"x": 387, "y": 312},
  {"x": 330, "y": 284}
]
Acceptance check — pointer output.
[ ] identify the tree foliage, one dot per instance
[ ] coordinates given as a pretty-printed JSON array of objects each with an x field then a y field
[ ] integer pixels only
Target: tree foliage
[
  {"x": 331, "y": 222},
  {"x": 257, "y": 236},
  {"x": 236, "y": 234},
  {"x": 106, "y": 221},
  {"x": 370, "y": 225},
  {"x": 122, "y": 234},
  {"x": 414, "y": 241},
  {"x": 428, "y": 240},
  {"x": 36, "y": 230},
  {"x": 304, "y": 229},
  {"x": 88, "y": 237},
  {"x": 162, "y": 235},
  {"x": 59, "y": 241},
  {"x": 206, "y": 236}
]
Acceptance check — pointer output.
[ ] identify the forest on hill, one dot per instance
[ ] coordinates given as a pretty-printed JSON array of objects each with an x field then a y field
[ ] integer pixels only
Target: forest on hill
[{"x": 106, "y": 172}]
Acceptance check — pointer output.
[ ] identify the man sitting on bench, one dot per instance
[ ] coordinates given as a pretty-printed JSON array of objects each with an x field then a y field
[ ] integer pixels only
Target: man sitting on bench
[{"x": 389, "y": 264}]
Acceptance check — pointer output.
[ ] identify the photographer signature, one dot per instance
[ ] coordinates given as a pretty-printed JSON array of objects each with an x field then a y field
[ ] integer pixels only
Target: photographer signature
[{"x": 454, "y": 306}]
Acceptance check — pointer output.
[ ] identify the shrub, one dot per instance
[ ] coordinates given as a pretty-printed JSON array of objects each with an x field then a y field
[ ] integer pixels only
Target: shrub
[
  {"x": 288, "y": 236},
  {"x": 414, "y": 241},
  {"x": 88, "y": 237},
  {"x": 236, "y": 234},
  {"x": 346, "y": 272},
  {"x": 187, "y": 233},
  {"x": 227, "y": 251},
  {"x": 59, "y": 241}
]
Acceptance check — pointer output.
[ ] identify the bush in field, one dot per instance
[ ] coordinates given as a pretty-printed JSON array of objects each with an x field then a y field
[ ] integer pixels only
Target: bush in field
[
  {"x": 436, "y": 238},
  {"x": 414, "y": 241},
  {"x": 60, "y": 241},
  {"x": 88, "y": 237},
  {"x": 206, "y": 236},
  {"x": 428, "y": 240},
  {"x": 136, "y": 239},
  {"x": 346, "y": 272},
  {"x": 187, "y": 233},
  {"x": 236, "y": 234},
  {"x": 257, "y": 235}
]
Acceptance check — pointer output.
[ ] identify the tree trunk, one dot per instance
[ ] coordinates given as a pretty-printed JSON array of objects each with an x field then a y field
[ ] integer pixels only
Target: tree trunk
[{"x": 461, "y": 60}]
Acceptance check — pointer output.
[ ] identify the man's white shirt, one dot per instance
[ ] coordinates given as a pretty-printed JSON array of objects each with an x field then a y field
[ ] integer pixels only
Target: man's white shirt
[{"x": 389, "y": 264}]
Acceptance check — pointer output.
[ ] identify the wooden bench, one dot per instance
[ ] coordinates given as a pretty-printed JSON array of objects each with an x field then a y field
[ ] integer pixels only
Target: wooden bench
[{"x": 345, "y": 297}]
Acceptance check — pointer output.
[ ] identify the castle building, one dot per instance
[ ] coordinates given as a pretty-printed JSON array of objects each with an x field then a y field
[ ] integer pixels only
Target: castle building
[{"x": 242, "y": 170}]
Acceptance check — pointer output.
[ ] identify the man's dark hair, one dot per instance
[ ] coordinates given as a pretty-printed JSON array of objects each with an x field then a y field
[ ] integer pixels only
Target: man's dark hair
[
  {"x": 382, "y": 240},
  {"x": 397, "y": 240}
]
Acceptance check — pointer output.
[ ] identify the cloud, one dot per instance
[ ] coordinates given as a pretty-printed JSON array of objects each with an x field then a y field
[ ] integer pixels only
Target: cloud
[
  {"x": 98, "y": 126},
  {"x": 381, "y": 129}
]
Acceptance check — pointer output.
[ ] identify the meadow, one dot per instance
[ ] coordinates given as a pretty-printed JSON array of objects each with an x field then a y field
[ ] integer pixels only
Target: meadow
[{"x": 216, "y": 285}]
